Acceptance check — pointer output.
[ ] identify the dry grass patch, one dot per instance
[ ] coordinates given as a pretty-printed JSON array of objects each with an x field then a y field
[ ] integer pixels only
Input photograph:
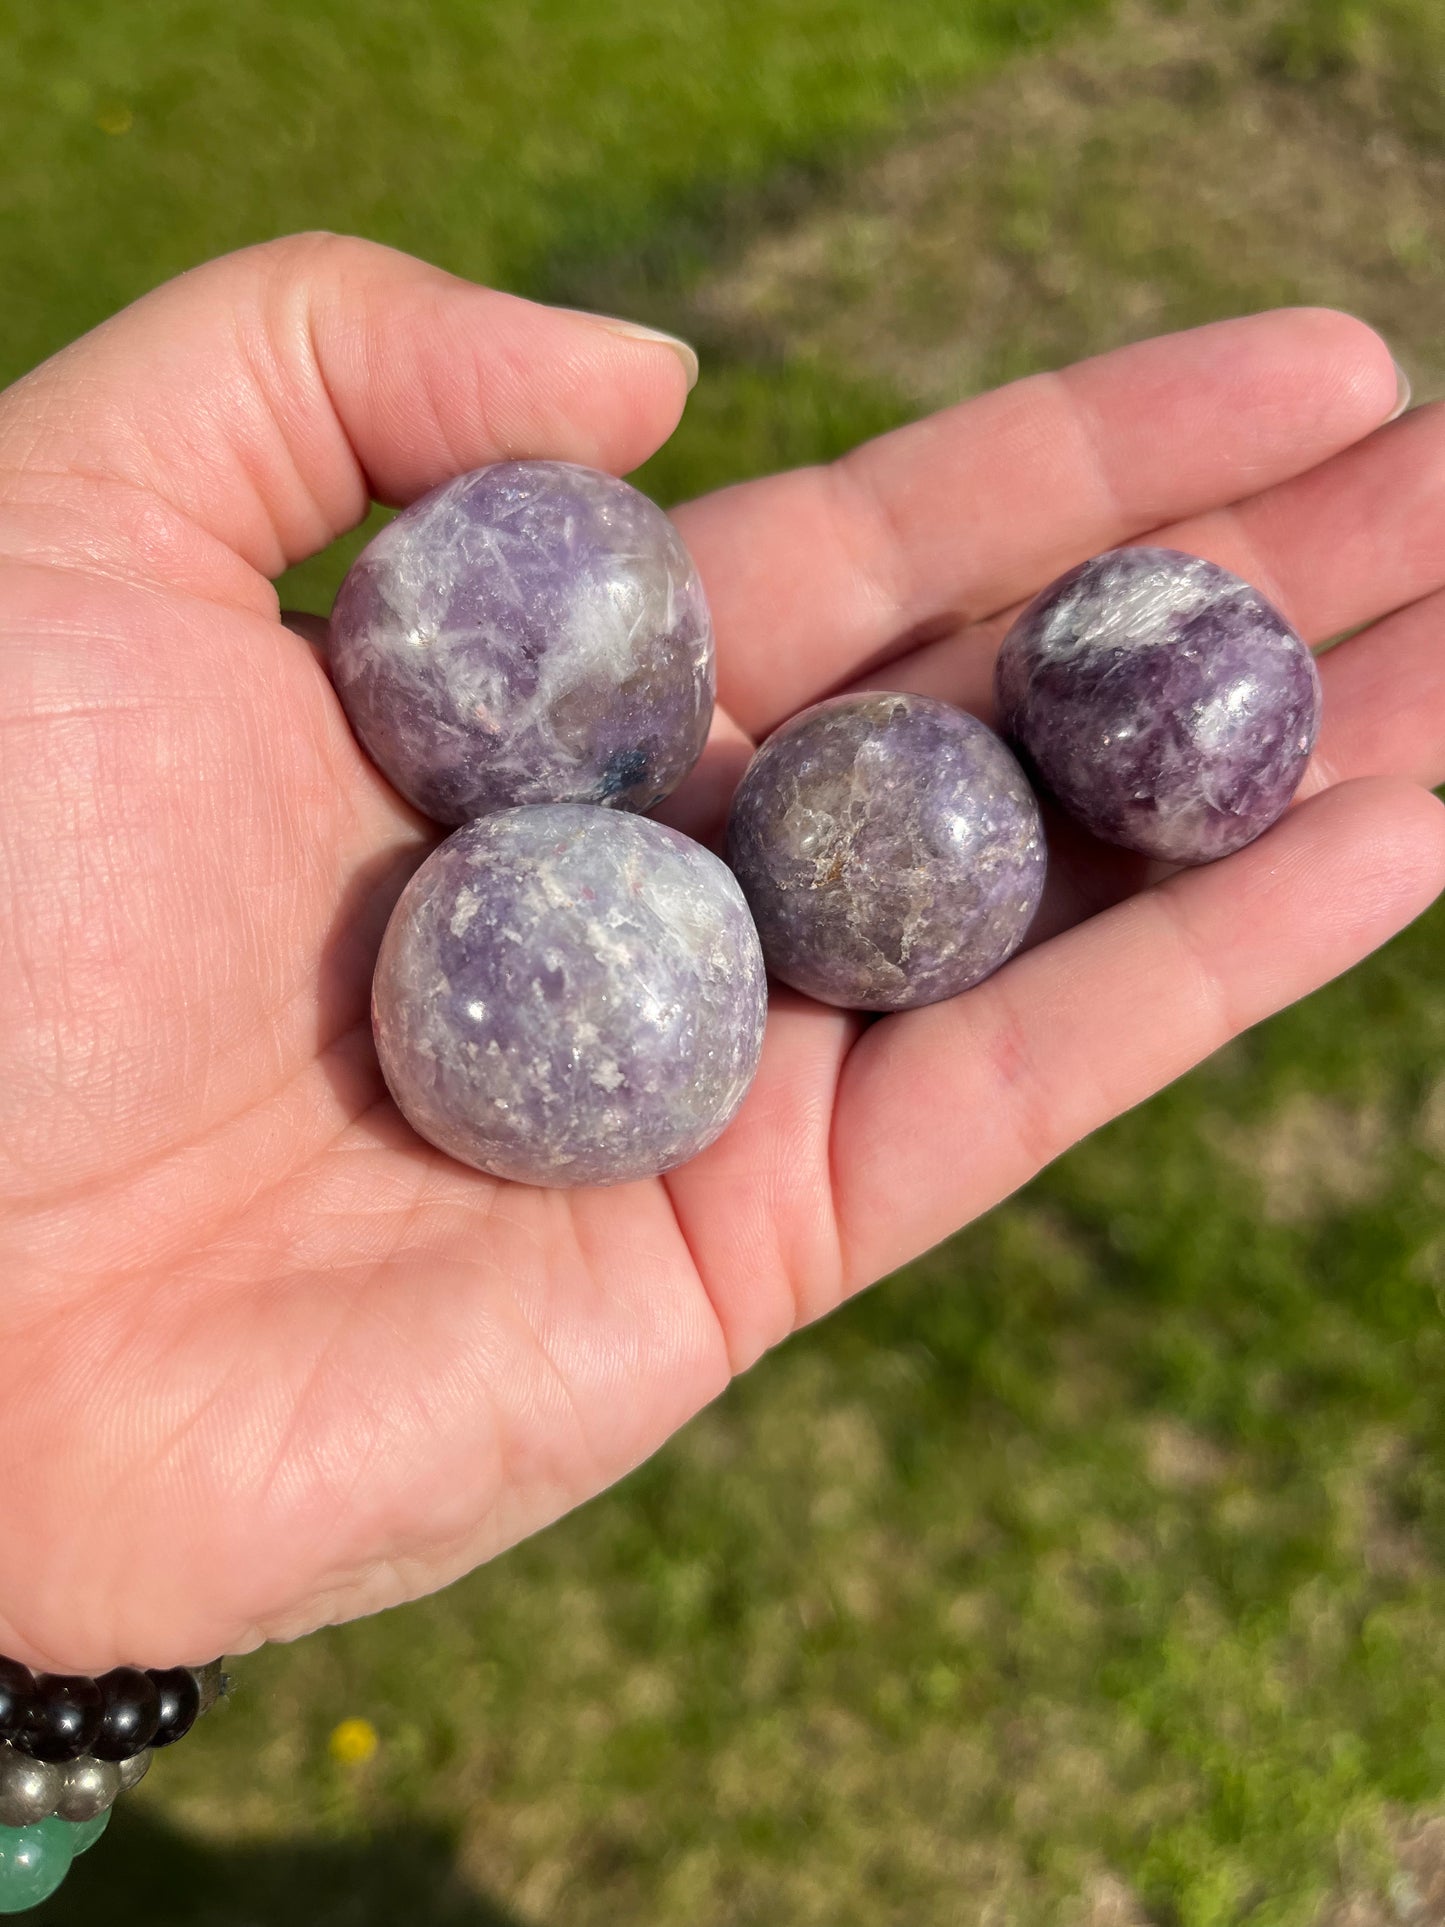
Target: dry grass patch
[
  {"x": 1412, "y": 1894},
  {"x": 1311, "y": 1156},
  {"x": 1136, "y": 181}
]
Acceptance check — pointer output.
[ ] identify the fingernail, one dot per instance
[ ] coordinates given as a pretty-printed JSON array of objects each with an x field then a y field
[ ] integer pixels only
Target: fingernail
[
  {"x": 1402, "y": 394},
  {"x": 635, "y": 331}
]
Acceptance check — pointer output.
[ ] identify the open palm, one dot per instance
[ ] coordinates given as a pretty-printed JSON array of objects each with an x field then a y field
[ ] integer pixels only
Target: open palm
[{"x": 266, "y": 1359}]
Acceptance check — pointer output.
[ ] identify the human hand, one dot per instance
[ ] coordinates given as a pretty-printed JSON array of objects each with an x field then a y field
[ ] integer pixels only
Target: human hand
[{"x": 268, "y": 1359}]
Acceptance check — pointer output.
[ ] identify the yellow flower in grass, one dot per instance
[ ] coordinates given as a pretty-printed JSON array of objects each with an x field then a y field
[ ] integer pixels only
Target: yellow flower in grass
[{"x": 353, "y": 1742}]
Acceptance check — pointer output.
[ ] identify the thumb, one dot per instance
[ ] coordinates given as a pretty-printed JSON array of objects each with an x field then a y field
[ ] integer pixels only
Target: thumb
[{"x": 264, "y": 399}]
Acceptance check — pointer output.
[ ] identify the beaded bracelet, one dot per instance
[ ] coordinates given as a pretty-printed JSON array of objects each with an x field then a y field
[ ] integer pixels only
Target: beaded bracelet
[{"x": 69, "y": 1747}]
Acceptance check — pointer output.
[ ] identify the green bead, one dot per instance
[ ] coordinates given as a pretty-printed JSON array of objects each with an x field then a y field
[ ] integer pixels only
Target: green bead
[
  {"x": 82, "y": 1834},
  {"x": 33, "y": 1862}
]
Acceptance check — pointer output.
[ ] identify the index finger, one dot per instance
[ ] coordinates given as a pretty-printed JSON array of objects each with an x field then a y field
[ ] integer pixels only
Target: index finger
[{"x": 822, "y": 575}]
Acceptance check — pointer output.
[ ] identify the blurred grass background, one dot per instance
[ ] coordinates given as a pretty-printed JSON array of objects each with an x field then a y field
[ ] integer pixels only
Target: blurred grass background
[{"x": 1093, "y": 1571}]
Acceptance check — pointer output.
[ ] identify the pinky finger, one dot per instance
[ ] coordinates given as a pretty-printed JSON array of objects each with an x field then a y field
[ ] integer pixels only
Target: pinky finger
[{"x": 941, "y": 1112}]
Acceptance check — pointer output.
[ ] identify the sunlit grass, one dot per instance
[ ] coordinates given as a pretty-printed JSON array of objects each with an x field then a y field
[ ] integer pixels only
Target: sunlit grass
[{"x": 1097, "y": 1559}]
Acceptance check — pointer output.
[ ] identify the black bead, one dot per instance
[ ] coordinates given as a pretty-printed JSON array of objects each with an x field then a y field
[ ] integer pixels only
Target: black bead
[
  {"x": 180, "y": 1703},
  {"x": 63, "y": 1718},
  {"x": 17, "y": 1683},
  {"x": 132, "y": 1714}
]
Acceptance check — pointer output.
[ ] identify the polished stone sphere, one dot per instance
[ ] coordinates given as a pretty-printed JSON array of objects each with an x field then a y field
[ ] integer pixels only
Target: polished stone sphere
[
  {"x": 29, "y": 1789},
  {"x": 17, "y": 1683},
  {"x": 33, "y": 1863},
  {"x": 890, "y": 850},
  {"x": 1165, "y": 704},
  {"x": 568, "y": 995},
  {"x": 89, "y": 1788},
  {"x": 132, "y": 1712},
  {"x": 85, "y": 1833},
  {"x": 63, "y": 1717},
  {"x": 179, "y": 1704},
  {"x": 533, "y": 632}
]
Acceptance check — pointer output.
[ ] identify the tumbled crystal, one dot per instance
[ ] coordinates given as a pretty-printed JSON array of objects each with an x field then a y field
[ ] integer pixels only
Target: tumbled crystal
[
  {"x": 533, "y": 632},
  {"x": 1162, "y": 700},
  {"x": 890, "y": 849},
  {"x": 567, "y": 995}
]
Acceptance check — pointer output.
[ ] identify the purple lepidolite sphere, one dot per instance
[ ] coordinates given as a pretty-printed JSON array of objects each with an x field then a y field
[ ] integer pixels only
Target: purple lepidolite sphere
[
  {"x": 533, "y": 632},
  {"x": 890, "y": 849},
  {"x": 1162, "y": 700},
  {"x": 567, "y": 995}
]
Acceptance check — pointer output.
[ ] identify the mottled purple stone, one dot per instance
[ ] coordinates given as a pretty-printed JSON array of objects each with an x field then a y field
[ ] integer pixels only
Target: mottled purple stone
[
  {"x": 567, "y": 995},
  {"x": 1163, "y": 702},
  {"x": 890, "y": 849},
  {"x": 533, "y": 632}
]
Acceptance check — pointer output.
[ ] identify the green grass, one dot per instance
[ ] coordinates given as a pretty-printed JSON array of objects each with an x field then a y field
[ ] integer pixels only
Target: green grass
[
  {"x": 1108, "y": 1543},
  {"x": 497, "y": 139}
]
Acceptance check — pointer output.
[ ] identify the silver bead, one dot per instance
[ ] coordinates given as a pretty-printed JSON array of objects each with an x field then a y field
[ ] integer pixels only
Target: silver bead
[
  {"x": 212, "y": 1682},
  {"x": 89, "y": 1788},
  {"x": 29, "y": 1789},
  {"x": 134, "y": 1770}
]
